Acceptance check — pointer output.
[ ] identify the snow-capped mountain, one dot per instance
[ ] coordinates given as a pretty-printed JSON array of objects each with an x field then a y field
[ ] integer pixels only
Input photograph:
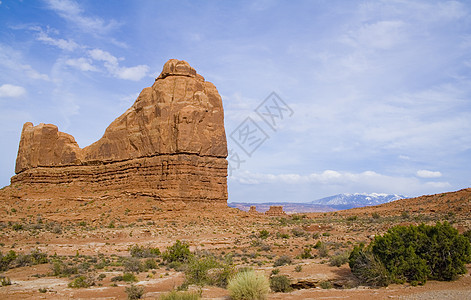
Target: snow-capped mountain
[{"x": 345, "y": 201}]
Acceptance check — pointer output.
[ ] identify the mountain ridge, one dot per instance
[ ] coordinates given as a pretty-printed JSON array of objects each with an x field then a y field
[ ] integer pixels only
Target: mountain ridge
[{"x": 326, "y": 204}]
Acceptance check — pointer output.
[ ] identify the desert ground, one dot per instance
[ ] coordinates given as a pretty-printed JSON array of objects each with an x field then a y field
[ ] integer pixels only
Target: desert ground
[{"x": 95, "y": 237}]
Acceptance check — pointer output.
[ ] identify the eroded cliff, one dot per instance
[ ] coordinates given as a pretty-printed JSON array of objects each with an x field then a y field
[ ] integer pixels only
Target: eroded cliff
[{"x": 170, "y": 144}]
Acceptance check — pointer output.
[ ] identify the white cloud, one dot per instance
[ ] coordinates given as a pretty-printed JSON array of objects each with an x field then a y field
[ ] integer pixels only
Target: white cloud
[
  {"x": 428, "y": 174},
  {"x": 132, "y": 73},
  {"x": 82, "y": 63},
  {"x": 101, "y": 55},
  {"x": 111, "y": 63},
  {"x": 63, "y": 44},
  {"x": 32, "y": 73},
  {"x": 438, "y": 185},
  {"x": 332, "y": 182},
  {"x": 11, "y": 91},
  {"x": 326, "y": 177},
  {"x": 72, "y": 12}
]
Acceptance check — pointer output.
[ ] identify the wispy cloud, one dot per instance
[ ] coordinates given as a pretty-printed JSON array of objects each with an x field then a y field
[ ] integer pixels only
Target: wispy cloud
[
  {"x": 111, "y": 63},
  {"x": 73, "y": 13},
  {"x": 428, "y": 174},
  {"x": 86, "y": 64},
  {"x": 11, "y": 91},
  {"x": 63, "y": 44},
  {"x": 333, "y": 181},
  {"x": 81, "y": 63}
]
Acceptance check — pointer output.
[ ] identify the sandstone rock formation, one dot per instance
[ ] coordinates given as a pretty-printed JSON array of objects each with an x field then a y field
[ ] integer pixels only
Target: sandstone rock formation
[
  {"x": 275, "y": 211},
  {"x": 253, "y": 210},
  {"x": 170, "y": 144}
]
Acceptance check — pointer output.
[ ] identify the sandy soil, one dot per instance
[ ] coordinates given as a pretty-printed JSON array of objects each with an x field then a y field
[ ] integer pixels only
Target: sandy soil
[{"x": 85, "y": 232}]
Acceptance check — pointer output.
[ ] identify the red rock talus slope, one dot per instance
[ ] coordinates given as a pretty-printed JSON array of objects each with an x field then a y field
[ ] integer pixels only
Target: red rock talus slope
[{"x": 170, "y": 145}]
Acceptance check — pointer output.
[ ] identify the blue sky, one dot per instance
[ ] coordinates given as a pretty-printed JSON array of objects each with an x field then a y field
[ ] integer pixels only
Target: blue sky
[{"x": 380, "y": 91}]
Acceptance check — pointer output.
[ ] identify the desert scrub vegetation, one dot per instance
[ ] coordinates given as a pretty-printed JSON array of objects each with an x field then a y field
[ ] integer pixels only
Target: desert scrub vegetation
[
  {"x": 126, "y": 277},
  {"x": 207, "y": 269},
  {"x": 13, "y": 260},
  {"x": 367, "y": 267},
  {"x": 134, "y": 292},
  {"x": 280, "y": 284},
  {"x": 263, "y": 234},
  {"x": 174, "y": 295},
  {"x": 282, "y": 260},
  {"x": 306, "y": 253},
  {"x": 249, "y": 285},
  {"x": 177, "y": 253},
  {"x": 412, "y": 254},
  {"x": 143, "y": 252},
  {"x": 4, "y": 281},
  {"x": 82, "y": 281},
  {"x": 339, "y": 259}
]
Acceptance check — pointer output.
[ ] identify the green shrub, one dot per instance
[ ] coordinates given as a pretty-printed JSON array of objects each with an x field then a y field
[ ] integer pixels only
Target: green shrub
[
  {"x": 62, "y": 270},
  {"x": 132, "y": 264},
  {"x": 6, "y": 260},
  {"x": 117, "y": 278},
  {"x": 36, "y": 257},
  {"x": 129, "y": 277},
  {"x": 264, "y": 234},
  {"x": 22, "y": 260},
  {"x": 82, "y": 282},
  {"x": 339, "y": 259},
  {"x": 174, "y": 295},
  {"x": 298, "y": 268},
  {"x": 208, "y": 271},
  {"x": 352, "y": 218},
  {"x": 282, "y": 260},
  {"x": 367, "y": 268},
  {"x": 306, "y": 253},
  {"x": 467, "y": 234},
  {"x": 375, "y": 215},
  {"x": 282, "y": 235},
  {"x": 249, "y": 285},
  {"x": 326, "y": 285},
  {"x": 143, "y": 252},
  {"x": 17, "y": 227},
  {"x": 4, "y": 281},
  {"x": 280, "y": 284},
  {"x": 417, "y": 253},
  {"x": 178, "y": 252},
  {"x": 150, "y": 264},
  {"x": 134, "y": 292},
  {"x": 323, "y": 250},
  {"x": 450, "y": 251}
]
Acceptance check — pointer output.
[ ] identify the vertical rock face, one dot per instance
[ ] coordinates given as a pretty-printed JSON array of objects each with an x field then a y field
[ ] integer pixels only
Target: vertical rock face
[{"x": 170, "y": 144}]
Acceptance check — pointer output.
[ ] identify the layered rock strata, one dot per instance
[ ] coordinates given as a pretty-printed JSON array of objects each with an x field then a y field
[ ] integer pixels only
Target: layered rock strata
[
  {"x": 169, "y": 144},
  {"x": 274, "y": 211}
]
